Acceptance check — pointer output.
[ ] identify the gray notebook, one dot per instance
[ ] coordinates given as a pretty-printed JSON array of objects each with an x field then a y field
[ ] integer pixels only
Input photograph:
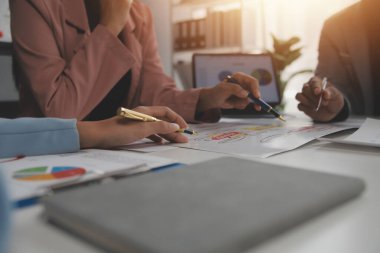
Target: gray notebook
[{"x": 223, "y": 205}]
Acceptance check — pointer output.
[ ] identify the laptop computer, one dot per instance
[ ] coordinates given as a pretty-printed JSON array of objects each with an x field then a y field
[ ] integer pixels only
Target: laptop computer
[
  {"x": 225, "y": 205},
  {"x": 211, "y": 69}
]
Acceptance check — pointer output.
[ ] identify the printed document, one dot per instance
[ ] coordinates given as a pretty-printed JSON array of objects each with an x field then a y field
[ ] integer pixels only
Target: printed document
[
  {"x": 254, "y": 139},
  {"x": 33, "y": 176},
  {"x": 367, "y": 135}
]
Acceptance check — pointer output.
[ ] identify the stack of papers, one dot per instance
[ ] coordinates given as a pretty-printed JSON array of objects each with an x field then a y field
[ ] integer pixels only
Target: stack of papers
[{"x": 368, "y": 135}]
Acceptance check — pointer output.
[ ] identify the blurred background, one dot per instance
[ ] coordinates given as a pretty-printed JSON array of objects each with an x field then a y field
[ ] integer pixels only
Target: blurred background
[{"x": 241, "y": 26}]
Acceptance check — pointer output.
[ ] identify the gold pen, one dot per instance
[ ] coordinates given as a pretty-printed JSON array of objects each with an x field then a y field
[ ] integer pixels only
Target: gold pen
[
  {"x": 126, "y": 113},
  {"x": 129, "y": 114}
]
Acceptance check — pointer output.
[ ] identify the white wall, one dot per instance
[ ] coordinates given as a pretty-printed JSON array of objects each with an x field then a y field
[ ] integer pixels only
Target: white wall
[{"x": 162, "y": 17}]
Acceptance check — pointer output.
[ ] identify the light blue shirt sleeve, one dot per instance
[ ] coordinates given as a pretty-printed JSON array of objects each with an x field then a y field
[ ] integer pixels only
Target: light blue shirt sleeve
[
  {"x": 37, "y": 136},
  {"x": 4, "y": 216}
]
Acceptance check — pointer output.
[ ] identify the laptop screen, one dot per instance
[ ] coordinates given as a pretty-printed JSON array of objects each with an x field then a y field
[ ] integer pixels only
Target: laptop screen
[{"x": 211, "y": 69}]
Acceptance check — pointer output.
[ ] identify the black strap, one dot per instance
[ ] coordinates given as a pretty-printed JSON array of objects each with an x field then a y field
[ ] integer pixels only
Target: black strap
[
  {"x": 93, "y": 13},
  {"x": 343, "y": 114},
  {"x": 108, "y": 106}
]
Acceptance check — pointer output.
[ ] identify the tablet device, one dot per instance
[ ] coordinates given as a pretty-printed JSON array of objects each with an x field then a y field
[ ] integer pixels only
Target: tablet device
[
  {"x": 211, "y": 69},
  {"x": 226, "y": 205}
]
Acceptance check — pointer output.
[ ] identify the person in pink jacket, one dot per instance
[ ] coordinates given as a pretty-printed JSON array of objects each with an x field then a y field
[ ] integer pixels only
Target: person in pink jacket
[{"x": 85, "y": 58}]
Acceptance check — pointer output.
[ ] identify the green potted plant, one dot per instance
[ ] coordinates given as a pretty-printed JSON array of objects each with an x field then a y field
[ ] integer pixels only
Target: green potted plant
[{"x": 283, "y": 55}]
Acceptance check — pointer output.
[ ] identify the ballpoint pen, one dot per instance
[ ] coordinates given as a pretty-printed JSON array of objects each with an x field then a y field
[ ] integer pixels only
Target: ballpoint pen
[
  {"x": 264, "y": 105},
  {"x": 324, "y": 84},
  {"x": 126, "y": 113}
]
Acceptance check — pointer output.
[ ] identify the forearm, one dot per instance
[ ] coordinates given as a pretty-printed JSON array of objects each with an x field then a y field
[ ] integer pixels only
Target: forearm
[{"x": 90, "y": 134}]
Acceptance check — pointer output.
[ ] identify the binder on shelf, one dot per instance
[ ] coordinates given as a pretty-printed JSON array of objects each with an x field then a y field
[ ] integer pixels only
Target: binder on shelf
[
  {"x": 192, "y": 39},
  {"x": 201, "y": 33},
  {"x": 209, "y": 28},
  {"x": 177, "y": 36},
  {"x": 237, "y": 27},
  {"x": 189, "y": 34},
  {"x": 217, "y": 29},
  {"x": 184, "y": 35}
]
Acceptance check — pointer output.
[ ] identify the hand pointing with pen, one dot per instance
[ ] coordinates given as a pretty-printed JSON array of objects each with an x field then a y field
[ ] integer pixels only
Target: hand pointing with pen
[
  {"x": 331, "y": 104},
  {"x": 227, "y": 95}
]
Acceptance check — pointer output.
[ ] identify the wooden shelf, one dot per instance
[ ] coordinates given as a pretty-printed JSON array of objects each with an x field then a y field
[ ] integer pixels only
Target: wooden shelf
[
  {"x": 204, "y": 3},
  {"x": 215, "y": 50},
  {"x": 228, "y": 25}
]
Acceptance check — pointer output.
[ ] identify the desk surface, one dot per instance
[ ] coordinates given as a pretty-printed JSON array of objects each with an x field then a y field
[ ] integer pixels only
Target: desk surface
[{"x": 352, "y": 227}]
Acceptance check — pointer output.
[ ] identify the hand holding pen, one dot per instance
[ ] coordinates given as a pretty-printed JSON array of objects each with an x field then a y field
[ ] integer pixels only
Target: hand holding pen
[
  {"x": 227, "y": 95},
  {"x": 118, "y": 131},
  {"x": 259, "y": 103},
  {"x": 320, "y": 100},
  {"x": 324, "y": 85},
  {"x": 154, "y": 122}
]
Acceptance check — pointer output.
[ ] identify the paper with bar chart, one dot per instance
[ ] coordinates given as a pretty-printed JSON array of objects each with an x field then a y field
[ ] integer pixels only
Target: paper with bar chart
[
  {"x": 32, "y": 176},
  {"x": 255, "y": 139}
]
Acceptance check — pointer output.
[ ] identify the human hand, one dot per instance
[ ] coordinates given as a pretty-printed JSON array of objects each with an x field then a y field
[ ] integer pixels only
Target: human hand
[
  {"x": 230, "y": 95},
  {"x": 332, "y": 100},
  {"x": 114, "y": 14},
  {"x": 118, "y": 131}
]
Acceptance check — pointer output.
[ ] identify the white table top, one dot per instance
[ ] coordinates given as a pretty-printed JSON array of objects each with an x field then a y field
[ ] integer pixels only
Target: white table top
[{"x": 352, "y": 227}]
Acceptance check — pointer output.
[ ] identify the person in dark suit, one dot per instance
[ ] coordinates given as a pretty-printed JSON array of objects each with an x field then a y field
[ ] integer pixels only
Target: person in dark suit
[{"x": 349, "y": 56}]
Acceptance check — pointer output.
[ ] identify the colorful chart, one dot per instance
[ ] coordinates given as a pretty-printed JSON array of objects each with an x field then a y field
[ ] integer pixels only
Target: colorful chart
[
  {"x": 223, "y": 75},
  {"x": 46, "y": 173},
  {"x": 263, "y": 75}
]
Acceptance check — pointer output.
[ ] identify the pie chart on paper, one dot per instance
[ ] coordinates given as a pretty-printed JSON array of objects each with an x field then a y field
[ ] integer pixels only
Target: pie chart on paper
[
  {"x": 48, "y": 173},
  {"x": 263, "y": 75}
]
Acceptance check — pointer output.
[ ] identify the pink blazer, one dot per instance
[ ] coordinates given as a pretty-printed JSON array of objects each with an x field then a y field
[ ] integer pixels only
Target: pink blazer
[{"x": 66, "y": 69}]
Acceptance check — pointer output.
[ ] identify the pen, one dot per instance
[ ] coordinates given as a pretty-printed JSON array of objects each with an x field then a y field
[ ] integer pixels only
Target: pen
[
  {"x": 264, "y": 105},
  {"x": 129, "y": 114},
  {"x": 324, "y": 84}
]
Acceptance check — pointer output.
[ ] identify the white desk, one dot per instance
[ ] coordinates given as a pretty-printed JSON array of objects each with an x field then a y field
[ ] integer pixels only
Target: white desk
[{"x": 353, "y": 227}]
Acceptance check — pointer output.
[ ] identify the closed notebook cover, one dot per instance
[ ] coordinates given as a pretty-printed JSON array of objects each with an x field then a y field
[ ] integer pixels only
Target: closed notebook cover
[{"x": 223, "y": 205}]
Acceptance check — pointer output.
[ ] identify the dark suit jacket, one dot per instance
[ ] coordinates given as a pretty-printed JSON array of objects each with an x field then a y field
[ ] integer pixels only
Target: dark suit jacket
[{"x": 344, "y": 58}]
